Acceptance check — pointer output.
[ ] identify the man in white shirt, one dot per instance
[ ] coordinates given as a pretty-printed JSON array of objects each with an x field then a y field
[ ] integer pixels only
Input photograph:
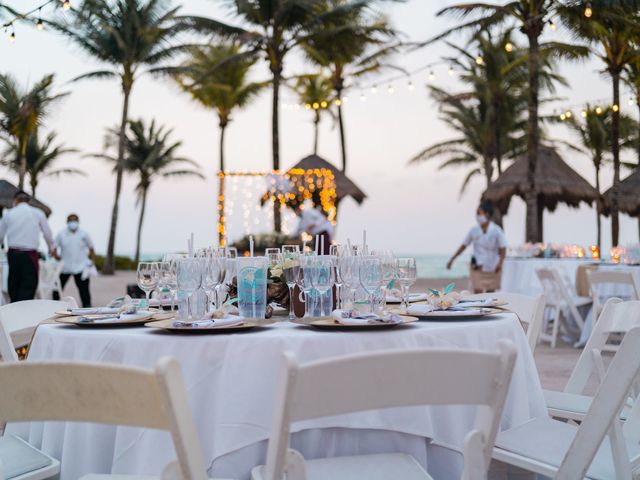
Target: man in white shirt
[
  {"x": 489, "y": 250},
  {"x": 313, "y": 222},
  {"x": 75, "y": 248},
  {"x": 22, "y": 226}
]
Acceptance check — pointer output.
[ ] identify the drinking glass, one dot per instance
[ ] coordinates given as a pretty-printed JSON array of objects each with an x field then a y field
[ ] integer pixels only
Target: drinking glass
[
  {"x": 303, "y": 281},
  {"x": 371, "y": 277},
  {"x": 290, "y": 249},
  {"x": 291, "y": 270},
  {"x": 213, "y": 274},
  {"x": 147, "y": 276},
  {"x": 389, "y": 267},
  {"x": 349, "y": 275},
  {"x": 322, "y": 276},
  {"x": 407, "y": 273},
  {"x": 189, "y": 277},
  {"x": 269, "y": 251},
  {"x": 252, "y": 286}
]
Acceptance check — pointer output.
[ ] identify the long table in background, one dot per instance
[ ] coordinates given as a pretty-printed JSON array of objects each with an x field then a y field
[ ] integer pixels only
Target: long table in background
[{"x": 231, "y": 381}]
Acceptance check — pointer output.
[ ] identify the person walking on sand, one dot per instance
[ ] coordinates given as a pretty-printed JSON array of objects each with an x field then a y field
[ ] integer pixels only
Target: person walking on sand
[
  {"x": 74, "y": 247},
  {"x": 22, "y": 226},
  {"x": 489, "y": 250}
]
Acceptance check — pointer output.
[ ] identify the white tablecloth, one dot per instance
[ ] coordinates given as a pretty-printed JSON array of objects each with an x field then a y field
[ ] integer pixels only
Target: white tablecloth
[
  {"x": 519, "y": 274},
  {"x": 231, "y": 381}
]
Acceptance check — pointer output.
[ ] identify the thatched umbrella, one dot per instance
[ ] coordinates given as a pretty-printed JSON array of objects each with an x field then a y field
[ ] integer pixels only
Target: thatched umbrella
[
  {"x": 7, "y": 192},
  {"x": 628, "y": 196},
  {"x": 556, "y": 182}
]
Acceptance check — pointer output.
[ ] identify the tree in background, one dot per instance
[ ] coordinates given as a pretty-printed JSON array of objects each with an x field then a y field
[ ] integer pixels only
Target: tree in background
[{"x": 315, "y": 93}]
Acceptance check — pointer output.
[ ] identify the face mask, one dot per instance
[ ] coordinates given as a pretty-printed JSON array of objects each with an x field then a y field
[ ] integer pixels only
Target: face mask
[
  {"x": 482, "y": 219},
  {"x": 73, "y": 226}
]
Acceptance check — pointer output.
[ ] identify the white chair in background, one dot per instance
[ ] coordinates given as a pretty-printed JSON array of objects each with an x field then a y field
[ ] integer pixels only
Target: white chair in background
[
  {"x": 49, "y": 279},
  {"x": 106, "y": 394},
  {"x": 18, "y": 316},
  {"x": 529, "y": 310},
  {"x": 382, "y": 380},
  {"x": 571, "y": 403},
  {"x": 601, "y": 279},
  {"x": 560, "y": 303},
  {"x": 564, "y": 451}
]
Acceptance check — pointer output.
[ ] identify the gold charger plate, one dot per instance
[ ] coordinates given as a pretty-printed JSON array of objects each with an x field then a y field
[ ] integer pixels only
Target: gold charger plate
[
  {"x": 137, "y": 321},
  {"x": 167, "y": 325},
  {"x": 329, "y": 323}
]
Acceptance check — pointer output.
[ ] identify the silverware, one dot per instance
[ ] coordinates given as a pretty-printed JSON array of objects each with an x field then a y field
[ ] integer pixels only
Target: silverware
[{"x": 98, "y": 319}]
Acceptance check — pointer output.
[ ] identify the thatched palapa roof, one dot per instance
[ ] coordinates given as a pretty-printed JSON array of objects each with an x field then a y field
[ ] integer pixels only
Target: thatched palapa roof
[
  {"x": 556, "y": 182},
  {"x": 344, "y": 186},
  {"x": 8, "y": 191},
  {"x": 628, "y": 196}
]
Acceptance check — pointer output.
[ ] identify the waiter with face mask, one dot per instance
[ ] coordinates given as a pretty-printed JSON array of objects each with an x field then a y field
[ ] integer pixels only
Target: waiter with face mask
[
  {"x": 75, "y": 248},
  {"x": 489, "y": 250}
]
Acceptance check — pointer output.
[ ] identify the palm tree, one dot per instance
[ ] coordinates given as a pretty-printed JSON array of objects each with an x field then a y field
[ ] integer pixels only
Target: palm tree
[
  {"x": 125, "y": 35},
  {"x": 350, "y": 45},
  {"x": 315, "y": 92},
  {"x": 632, "y": 79},
  {"x": 530, "y": 16},
  {"x": 22, "y": 111},
  {"x": 40, "y": 158},
  {"x": 223, "y": 89},
  {"x": 149, "y": 154},
  {"x": 614, "y": 28}
]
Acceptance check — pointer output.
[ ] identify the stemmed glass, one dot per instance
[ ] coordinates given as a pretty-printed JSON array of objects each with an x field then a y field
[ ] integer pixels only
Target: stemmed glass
[
  {"x": 371, "y": 277},
  {"x": 322, "y": 277},
  {"x": 189, "y": 276},
  {"x": 389, "y": 266},
  {"x": 335, "y": 251},
  {"x": 213, "y": 275},
  {"x": 230, "y": 255},
  {"x": 407, "y": 273},
  {"x": 349, "y": 275},
  {"x": 303, "y": 280},
  {"x": 291, "y": 270},
  {"x": 147, "y": 276}
]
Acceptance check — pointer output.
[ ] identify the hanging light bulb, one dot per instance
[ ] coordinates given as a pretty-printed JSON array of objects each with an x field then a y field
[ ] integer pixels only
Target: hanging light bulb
[
  {"x": 363, "y": 97},
  {"x": 40, "y": 25},
  {"x": 345, "y": 99},
  {"x": 12, "y": 37},
  {"x": 324, "y": 104},
  {"x": 451, "y": 71},
  {"x": 307, "y": 106},
  {"x": 374, "y": 89},
  {"x": 390, "y": 89},
  {"x": 315, "y": 105},
  {"x": 410, "y": 86},
  {"x": 568, "y": 114},
  {"x": 66, "y": 5},
  {"x": 338, "y": 102},
  {"x": 615, "y": 107},
  {"x": 630, "y": 100},
  {"x": 552, "y": 26},
  {"x": 432, "y": 76},
  {"x": 563, "y": 116},
  {"x": 584, "y": 114},
  {"x": 598, "y": 110},
  {"x": 479, "y": 60},
  {"x": 588, "y": 10},
  {"x": 508, "y": 47}
]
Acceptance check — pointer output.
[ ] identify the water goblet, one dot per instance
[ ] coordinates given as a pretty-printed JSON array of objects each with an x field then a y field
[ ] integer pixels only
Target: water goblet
[
  {"x": 322, "y": 277},
  {"x": 291, "y": 270},
  {"x": 371, "y": 277},
  {"x": 407, "y": 273},
  {"x": 189, "y": 277},
  {"x": 147, "y": 277}
]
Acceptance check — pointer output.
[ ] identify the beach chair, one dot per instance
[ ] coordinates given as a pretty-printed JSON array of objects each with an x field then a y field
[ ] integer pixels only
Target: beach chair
[
  {"x": 19, "y": 319},
  {"x": 529, "y": 310},
  {"x": 380, "y": 380},
  {"x": 560, "y": 305},
  {"x": 601, "y": 447},
  {"x": 102, "y": 393},
  {"x": 571, "y": 403}
]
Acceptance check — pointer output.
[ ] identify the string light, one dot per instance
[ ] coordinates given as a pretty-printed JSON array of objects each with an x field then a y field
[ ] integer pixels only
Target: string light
[
  {"x": 631, "y": 101},
  {"x": 568, "y": 114},
  {"x": 345, "y": 99},
  {"x": 615, "y": 107},
  {"x": 584, "y": 114},
  {"x": 508, "y": 47},
  {"x": 324, "y": 104},
  {"x": 432, "y": 76},
  {"x": 390, "y": 89},
  {"x": 338, "y": 102},
  {"x": 598, "y": 110},
  {"x": 588, "y": 10},
  {"x": 563, "y": 116},
  {"x": 552, "y": 26},
  {"x": 374, "y": 89},
  {"x": 410, "y": 86},
  {"x": 315, "y": 105},
  {"x": 363, "y": 97},
  {"x": 66, "y": 5},
  {"x": 40, "y": 24},
  {"x": 451, "y": 71},
  {"x": 479, "y": 60},
  {"x": 12, "y": 37}
]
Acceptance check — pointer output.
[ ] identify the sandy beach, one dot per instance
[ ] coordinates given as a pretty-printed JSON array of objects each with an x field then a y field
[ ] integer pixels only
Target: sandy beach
[{"x": 554, "y": 365}]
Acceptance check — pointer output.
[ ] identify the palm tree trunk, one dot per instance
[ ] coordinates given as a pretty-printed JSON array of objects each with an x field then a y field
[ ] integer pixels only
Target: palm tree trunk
[
  {"x": 34, "y": 185},
  {"x": 615, "y": 150},
  {"x": 540, "y": 215},
  {"x": 221, "y": 198},
  {"x": 316, "y": 127},
  {"x": 638, "y": 147},
  {"x": 533, "y": 234},
  {"x": 343, "y": 142},
  {"x": 598, "y": 220},
  {"x": 22, "y": 164},
  {"x": 498, "y": 139},
  {"x": 140, "y": 220},
  {"x": 109, "y": 261},
  {"x": 275, "y": 138}
]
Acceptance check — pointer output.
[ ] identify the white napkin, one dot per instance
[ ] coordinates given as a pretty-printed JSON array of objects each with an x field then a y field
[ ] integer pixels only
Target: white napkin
[
  {"x": 353, "y": 317},
  {"x": 392, "y": 297},
  {"x": 419, "y": 309},
  {"x": 230, "y": 321},
  {"x": 94, "y": 311},
  {"x": 481, "y": 302}
]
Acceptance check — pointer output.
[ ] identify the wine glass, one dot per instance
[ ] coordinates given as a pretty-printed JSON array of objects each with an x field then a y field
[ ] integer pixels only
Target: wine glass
[
  {"x": 349, "y": 275},
  {"x": 147, "y": 276},
  {"x": 407, "y": 273},
  {"x": 322, "y": 277},
  {"x": 371, "y": 276},
  {"x": 291, "y": 270},
  {"x": 213, "y": 274},
  {"x": 389, "y": 267},
  {"x": 189, "y": 276},
  {"x": 303, "y": 280}
]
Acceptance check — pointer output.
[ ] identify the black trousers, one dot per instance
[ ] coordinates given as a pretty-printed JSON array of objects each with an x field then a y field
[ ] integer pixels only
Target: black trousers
[
  {"x": 83, "y": 287},
  {"x": 23, "y": 274}
]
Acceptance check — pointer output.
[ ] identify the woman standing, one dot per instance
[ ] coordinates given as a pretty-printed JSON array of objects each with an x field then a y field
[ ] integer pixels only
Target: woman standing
[{"x": 489, "y": 250}]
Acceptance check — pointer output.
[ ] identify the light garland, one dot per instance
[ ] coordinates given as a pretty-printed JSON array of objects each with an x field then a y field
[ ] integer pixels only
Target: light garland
[{"x": 66, "y": 6}]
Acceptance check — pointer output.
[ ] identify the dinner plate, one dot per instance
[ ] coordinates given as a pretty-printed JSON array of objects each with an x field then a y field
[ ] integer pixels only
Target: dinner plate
[
  {"x": 67, "y": 313},
  {"x": 329, "y": 323},
  {"x": 126, "y": 320},
  {"x": 168, "y": 325},
  {"x": 489, "y": 302},
  {"x": 413, "y": 297},
  {"x": 451, "y": 315}
]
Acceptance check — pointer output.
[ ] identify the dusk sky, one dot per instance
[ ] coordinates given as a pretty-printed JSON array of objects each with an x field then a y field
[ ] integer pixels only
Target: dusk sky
[{"x": 412, "y": 209}]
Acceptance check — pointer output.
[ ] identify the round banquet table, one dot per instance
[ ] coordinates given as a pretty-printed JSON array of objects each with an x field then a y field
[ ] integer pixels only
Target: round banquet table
[
  {"x": 231, "y": 382},
  {"x": 519, "y": 274}
]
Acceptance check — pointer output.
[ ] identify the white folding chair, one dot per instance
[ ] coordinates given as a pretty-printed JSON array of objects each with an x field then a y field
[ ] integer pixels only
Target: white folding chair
[
  {"x": 22, "y": 317},
  {"x": 571, "y": 403},
  {"x": 564, "y": 451},
  {"x": 382, "y": 380},
  {"x": 95, "y": 393},
  {"x": 529, "y": 310},
  {"x": 599, "y": 280},
  {"x": 49, "y": 279},
  {"x": 560, "y": 303}
]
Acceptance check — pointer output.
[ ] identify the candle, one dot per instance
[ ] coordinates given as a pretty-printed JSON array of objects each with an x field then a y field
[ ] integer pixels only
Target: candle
[
  {"x": 364, "y": 242},
  {"x": 317, "y": 243},
  {"x": 251, "y": 245},
  {"x": 322, "y": 245}
]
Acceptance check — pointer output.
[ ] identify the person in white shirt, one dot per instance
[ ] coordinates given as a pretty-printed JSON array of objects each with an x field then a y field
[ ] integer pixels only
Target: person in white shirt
[
  {"x": 489, "y": 250},
  {"x": 75, "y": 248},
  {"x": 313, "y": 222},
  {"x": 22, "y": 226}
]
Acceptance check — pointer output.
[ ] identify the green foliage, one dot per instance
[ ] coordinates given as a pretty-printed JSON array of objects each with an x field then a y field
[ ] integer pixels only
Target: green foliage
[{"x": 122, "y": 263}]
